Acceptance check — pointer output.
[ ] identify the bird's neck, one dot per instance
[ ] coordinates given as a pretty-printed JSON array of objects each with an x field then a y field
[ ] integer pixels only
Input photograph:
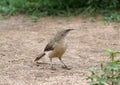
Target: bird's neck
[{"x": 59, "y": 38}]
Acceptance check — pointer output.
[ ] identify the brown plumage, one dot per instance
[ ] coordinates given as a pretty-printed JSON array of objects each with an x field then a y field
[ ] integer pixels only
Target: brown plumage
[{"x": 56, "y": 47}]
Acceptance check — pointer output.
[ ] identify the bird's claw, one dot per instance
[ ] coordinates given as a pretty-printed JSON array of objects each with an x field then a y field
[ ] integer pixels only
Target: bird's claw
[
  {"x": 52, "y": 68},
  {"x": 67, "y": 68}
]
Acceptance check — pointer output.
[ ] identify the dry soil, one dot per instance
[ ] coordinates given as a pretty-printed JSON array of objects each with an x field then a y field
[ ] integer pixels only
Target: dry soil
[{"x": 22, "y": 40}]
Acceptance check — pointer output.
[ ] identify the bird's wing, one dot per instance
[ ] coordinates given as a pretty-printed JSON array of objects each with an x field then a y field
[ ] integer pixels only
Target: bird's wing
[{"x": 49, "y": 46}]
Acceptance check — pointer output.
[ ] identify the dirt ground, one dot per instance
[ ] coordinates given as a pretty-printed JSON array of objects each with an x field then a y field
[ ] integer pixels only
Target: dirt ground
[{"x": 22, "y": 40}]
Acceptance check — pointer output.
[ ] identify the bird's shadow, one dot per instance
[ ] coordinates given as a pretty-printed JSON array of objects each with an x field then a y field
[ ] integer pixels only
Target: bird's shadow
[{"x": 41, "y": 63}]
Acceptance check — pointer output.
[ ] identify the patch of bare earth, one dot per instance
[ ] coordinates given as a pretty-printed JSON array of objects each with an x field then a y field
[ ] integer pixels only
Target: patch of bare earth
[{"x": 21, "y": 41}]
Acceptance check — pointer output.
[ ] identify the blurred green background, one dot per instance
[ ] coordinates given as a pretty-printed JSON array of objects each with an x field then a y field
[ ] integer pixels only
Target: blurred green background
[{"x": 108, "y": 8}]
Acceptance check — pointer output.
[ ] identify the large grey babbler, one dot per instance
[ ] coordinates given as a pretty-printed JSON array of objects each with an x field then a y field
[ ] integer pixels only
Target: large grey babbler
[{"x": 56, "y": 47}]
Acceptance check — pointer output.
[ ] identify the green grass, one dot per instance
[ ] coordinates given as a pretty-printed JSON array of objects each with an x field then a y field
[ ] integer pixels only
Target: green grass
[
  {"x": 108, "y": 73},
  {"x": 62, "y": 8}
]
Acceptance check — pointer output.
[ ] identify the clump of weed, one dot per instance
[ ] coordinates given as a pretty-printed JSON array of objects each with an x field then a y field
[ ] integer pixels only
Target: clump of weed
[{"x": 106, "y": 74}]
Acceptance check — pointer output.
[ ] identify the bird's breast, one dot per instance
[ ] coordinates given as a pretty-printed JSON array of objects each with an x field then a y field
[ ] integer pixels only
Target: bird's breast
[{"x": 60, "y": 48}]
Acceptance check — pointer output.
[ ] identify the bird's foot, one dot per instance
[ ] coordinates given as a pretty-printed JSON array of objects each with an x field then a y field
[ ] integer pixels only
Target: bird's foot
[
  {"x": 67, "y": 68},
  {"x": 52, "y": 68},
  {"x": 37, "y": 63}
]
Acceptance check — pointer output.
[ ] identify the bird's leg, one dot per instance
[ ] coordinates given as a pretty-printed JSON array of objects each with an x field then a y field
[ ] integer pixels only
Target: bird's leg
[
  {"x": 65, "y": 66},
  {"x": 51, "y": 67}
]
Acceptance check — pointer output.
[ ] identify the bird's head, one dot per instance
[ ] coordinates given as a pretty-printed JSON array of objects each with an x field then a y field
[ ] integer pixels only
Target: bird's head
[{"x": 64, "y": 31}]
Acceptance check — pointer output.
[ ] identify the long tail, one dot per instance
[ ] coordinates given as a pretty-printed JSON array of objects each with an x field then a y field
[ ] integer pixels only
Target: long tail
[{"x": 39, "y": 56}]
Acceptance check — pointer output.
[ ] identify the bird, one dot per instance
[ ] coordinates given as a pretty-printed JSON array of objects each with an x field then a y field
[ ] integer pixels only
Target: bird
[{"x": 56, "y": 47}]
